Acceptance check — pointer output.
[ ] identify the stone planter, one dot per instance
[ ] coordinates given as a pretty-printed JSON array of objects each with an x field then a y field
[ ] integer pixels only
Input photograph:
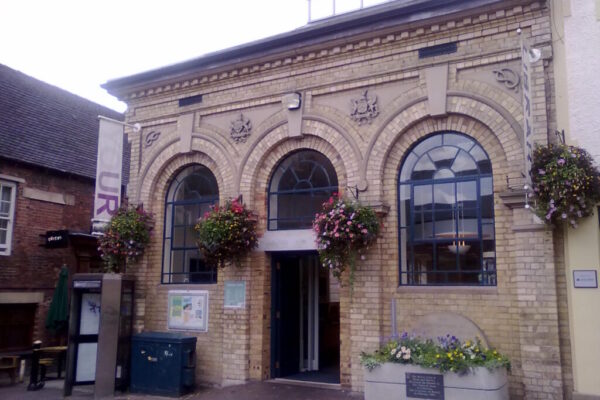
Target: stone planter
[{"x": 389, "y": 381}]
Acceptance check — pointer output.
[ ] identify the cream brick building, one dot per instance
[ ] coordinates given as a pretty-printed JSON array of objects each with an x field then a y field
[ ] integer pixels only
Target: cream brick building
[{"x": 373, "y": 84}]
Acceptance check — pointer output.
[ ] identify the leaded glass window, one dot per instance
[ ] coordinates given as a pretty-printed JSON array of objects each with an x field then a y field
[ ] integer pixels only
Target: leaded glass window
[
  {"x": 301, "y": 183},
  {"x": 446, "y": 213},
  {"x": 191, "y": 194}
]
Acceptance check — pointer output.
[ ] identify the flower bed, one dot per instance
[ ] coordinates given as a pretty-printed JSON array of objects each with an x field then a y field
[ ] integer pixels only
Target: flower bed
[
  {"x": 462, "y": 370},
  {"x": 226, "y": 233}
]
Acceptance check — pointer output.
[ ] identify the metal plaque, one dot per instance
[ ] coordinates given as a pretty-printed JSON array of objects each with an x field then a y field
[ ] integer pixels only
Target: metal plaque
[
  {"x": 235, "y": 294},
  {"x": 425, "y": 386},
  {"x": 585, "y": 279}
]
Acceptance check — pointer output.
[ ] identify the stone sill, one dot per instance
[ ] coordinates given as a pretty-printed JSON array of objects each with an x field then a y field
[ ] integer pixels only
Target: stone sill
[
  {"x": 187, "y": 286},
  {"x": 466, "y": 290}
]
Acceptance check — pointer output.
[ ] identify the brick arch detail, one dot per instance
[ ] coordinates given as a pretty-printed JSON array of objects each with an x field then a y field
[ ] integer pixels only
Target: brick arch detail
[
  {"x": 317, "y": 135},
  {"x": 163, "y": 168},
  {"x": 278, "y": 153},
  {"x": 459, "y": 123},
  {"x": 464, "y": 114}
]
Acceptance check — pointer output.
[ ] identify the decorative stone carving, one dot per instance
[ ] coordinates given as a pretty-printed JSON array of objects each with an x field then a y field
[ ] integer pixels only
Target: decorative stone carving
[
  {"x": 151, "y": 137},
  {"x": 241, "y": 128},
  {"x": 509, "y": 78},
  {"x": 364, "y": 108}
]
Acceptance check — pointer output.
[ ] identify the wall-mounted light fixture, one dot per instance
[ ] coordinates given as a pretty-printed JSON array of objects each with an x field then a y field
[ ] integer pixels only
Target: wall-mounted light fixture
[{"x": 292, "y": 101}]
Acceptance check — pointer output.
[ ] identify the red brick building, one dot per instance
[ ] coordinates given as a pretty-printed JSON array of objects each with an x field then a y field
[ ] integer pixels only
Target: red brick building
[{"x": 48, "y": 141}]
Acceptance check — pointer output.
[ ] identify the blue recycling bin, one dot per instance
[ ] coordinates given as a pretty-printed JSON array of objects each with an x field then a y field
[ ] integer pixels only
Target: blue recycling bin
[{"x": 163, "y": 363}]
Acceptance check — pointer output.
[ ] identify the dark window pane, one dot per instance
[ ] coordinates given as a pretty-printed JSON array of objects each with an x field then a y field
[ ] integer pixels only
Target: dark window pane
[
  {"x": 300, "y": 185},
  {"x": 423, "y": 197},
  {"x": 443, "y": 195},
  {"x": 424, "y": 169},
  {"x": 420, "y": 259},
  {"x": 444, "y": 173},
  {"x": 178, "y": 238},
  {"x": 428, "y": 144},
  {"x": 446, "y": 256},
  {"x": 445, "y": 155},
  {"x": 445, "y": 224},
  {"x": 407, "y": 166},
  {"x": 197, "y": 183},
  {"x": 6, "y": 193},
  {"x": 461, "y": 141},
  {"x": 464, "y": 165},
  {"x": 404, "y": 208}
]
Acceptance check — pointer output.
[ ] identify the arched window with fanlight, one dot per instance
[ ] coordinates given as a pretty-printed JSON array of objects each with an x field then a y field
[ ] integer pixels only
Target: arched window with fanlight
[
  {"x": 190, "y": 195},
  {"x": 299, "y": 186},
  {"x": 446, "y": 213}
]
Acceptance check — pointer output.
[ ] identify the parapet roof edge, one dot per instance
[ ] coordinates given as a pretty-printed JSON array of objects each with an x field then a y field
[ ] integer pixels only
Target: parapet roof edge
[{"x": 383, "y": 15}]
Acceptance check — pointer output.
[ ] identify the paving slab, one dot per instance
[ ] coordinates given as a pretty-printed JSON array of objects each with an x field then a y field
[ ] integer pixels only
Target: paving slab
[{"x": 53, "y": 390}]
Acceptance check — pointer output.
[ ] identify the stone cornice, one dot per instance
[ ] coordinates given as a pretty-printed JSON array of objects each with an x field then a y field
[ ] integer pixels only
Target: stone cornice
[{"x": 414, "y": 36}]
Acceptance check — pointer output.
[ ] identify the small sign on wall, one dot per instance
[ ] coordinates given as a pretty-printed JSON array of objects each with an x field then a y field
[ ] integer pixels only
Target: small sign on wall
[
  {"x": 585, "y": 279},
  {"x": 235, "y": 294},
  {"x": 188, "y": 310}
]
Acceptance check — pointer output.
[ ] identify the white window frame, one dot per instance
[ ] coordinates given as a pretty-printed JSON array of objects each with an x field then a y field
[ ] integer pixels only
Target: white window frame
[{"x": 5, "y": 251}]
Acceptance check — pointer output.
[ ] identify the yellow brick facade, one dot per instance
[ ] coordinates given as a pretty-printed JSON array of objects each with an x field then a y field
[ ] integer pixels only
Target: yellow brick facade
[{"x": 523, "y": 316}]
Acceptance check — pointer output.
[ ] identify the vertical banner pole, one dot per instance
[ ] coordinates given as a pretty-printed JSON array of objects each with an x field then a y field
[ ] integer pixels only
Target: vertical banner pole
[{"x": 527, "y": 111}]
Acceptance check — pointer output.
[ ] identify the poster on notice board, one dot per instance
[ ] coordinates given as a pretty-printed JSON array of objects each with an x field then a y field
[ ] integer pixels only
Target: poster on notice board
[{"x": 188, "y": 310}]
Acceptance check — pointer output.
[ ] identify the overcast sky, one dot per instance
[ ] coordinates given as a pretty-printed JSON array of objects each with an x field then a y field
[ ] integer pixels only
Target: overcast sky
[{"x": 79, "y": 44}]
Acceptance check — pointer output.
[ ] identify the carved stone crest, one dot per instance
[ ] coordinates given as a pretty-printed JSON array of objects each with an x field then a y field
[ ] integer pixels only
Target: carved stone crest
[
  {"x": 507, "y": 77},
  {"x": 151, "y": 137},
  {"x": 364, "y": 108},
  {"x": 241, "y": 128}
]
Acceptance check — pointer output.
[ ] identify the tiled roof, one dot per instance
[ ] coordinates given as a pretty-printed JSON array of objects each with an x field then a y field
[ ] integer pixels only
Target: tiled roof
[{"x": 43, "y": 125}]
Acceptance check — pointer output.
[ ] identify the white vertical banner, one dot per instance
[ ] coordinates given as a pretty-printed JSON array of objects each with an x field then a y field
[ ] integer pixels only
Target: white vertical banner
[
  {"x": 107, "y": 198},
  {"x": 527, "y": 109}
]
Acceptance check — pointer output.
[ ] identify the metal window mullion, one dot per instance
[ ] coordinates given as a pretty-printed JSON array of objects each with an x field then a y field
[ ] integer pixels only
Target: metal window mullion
[
  {"x": 480, "y": 228},
  {"x": 456, "y": 236}
]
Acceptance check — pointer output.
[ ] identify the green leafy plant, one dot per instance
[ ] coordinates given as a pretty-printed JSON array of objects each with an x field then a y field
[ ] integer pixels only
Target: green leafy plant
[
  {"x": 344, "y": 229},
  {"x": 566, "y": 183},
  {"x": 125, "y": 238},
  {"x": 226, "y": 233},
  {"x": 447, "y": 354}
]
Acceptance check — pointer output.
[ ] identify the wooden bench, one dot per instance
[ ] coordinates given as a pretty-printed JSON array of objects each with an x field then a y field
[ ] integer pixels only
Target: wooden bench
[{"x": 10, "y": 364}]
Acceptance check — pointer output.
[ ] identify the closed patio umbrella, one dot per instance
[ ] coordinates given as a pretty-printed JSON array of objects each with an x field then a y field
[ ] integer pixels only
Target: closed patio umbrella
[{"x": 58, "y": 312}]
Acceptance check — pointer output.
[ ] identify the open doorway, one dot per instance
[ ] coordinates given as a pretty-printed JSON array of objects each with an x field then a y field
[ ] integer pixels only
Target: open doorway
[{"x": 305, "y": 315}]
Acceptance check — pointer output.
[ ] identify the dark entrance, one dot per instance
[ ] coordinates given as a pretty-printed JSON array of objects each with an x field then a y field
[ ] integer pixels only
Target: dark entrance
[{"x": 305, "y": 315}]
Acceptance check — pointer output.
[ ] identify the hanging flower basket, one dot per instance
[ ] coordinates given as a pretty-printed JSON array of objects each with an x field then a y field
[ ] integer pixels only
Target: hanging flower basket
[
  {"x": 125, "y": 239},
  {"x": 227, "y": 233},
  {"x": 566, "y": 183},
  {"x": 344, "y": 229}
]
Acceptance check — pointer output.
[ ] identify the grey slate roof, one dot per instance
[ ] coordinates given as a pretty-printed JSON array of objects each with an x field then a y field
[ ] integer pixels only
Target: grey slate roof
[{"x": 44, "y": 125}]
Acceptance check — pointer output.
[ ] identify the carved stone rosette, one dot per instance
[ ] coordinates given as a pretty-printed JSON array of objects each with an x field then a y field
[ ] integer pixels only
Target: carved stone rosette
[
  {"x": 241, "y": 128},
  {"x": 364, "y": 108}
]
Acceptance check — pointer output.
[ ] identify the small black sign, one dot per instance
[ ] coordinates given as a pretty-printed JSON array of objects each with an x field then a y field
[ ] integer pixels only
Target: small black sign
[
  {"x": 57, "y": 239},
  {"x": 425, "y": 386}
]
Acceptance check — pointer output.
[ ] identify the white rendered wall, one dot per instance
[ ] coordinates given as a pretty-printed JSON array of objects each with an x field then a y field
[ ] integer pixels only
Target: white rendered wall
[
  {"x": 582, "y": 51},
  {"x": 576, "y": 49}
]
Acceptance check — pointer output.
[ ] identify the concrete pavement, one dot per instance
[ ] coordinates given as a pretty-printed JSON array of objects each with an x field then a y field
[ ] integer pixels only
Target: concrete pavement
[{"x": 249, "y": 391}]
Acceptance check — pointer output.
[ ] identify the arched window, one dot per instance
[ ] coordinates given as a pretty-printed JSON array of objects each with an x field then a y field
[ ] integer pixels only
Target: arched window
[
  {"x": 446, "y": 213},
  {"x": 300, "y": 185},
  {"x": 190, "y": 195}
]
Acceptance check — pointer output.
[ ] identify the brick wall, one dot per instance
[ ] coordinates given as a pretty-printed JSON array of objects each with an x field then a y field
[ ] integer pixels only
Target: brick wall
[
  {"x": 524, "y": 315},
  {"x": 30, "y": 267}
]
